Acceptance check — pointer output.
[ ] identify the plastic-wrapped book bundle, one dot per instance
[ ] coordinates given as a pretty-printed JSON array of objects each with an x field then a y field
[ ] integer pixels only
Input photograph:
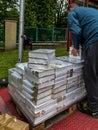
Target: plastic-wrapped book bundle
[
  {"x": 62, "y": 71},
  {"x": 28, "y": 86},
  {"x": 77, "y": 64},
  {"x": 77, "y": 79},
  {"x": 16, "y": 75},
  {"x": 38, "y": 113},
  {"x": 12, "y": 89},
  {"x": 62, "y": 68},
  {"x": 42, "y": 80},
  {"x": 41, "y": 58},
  {"x": 63, "y": 102},
  {"x": 79, "y": 56},
  {"x": 37, "y": 76},
  {"x": 47, "y": 87},
  {"x": 74, "y": 96},
  {"x": 10, "y": 71},
  {"x": 20, "y": 67},
  {"x": 72, "y": 83},
  {"x": 16, "y": 80}
]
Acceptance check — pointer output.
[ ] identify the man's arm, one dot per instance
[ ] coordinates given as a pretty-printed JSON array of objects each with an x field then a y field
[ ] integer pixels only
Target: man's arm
[{"x": 75, "y": 28}]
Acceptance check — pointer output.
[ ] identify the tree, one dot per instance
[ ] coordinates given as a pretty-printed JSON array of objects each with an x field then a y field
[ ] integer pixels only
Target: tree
[
  {"x": 8, "y": 10},
  {"x": 45, "y": 13},
  {"x": 39, "y": 13},
  {"x": 61, "y": 13}
]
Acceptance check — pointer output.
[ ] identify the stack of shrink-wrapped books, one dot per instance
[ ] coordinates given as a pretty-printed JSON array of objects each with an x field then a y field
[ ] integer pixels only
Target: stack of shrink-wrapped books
[{"x": 46, "y": 84}]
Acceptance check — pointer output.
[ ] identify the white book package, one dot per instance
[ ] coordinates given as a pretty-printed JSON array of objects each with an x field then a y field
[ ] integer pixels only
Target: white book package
[
  {"x": 42, "y": 54},
  {"x": 27, "y": 83},
  {"x": 42, "y": 112},
  {"x": 41, "y": 95},
  {"x": 28, "y": 90},
  {"x": 36, "y": 121},
  {"x": 59, "y": 94},
  {"x": 72, "y": 79},
  {"x": 59, "y": 89},
  {"x": 40, "y": 72},
  {"x": 40, "y": 91},
  {"x": 71, "y": 60},
  {"x": 33, "y": 75},
  {"x": 62, "y": 68},
  {"x": 60, "y": 83},
  {"x": 44, "y": 85},
  {"x": 41, "y": 58},
  {"x": 77, "y": 70},
  {"x": 72, "y": 87},
  {"x": 40, "y": 61},
  {"x": 36, "y": 108},
  {"x": 74, "y": 96},
  {"x": 44, "y": 67},
  {"x": 10, "y": 71},
  {"x": 19, "y": 98},
  {"x": 20, "y": 67},
  {"x": 42, "y": 100},
  {"x": 58, "y": 79},
  {"x": 17, "y": 80},
  {"x": 79, "y": 56},
  {"x": 27, "y": 95}
]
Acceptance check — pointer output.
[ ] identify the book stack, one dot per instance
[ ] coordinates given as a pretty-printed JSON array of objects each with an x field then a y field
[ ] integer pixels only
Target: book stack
[
  {"x": 35, "y": 97},
  {"x": 42, "y": 81},
  {"x": 62, "y": 71},
  {"x": 39, "y": 113},
  {"x": 77, "y": 79},
  {"x": 41, "y": 58},
  {"x": 46, "y": 85},
  {"x": 72, "y": 83},
  {"x": 73, "y": 96}
]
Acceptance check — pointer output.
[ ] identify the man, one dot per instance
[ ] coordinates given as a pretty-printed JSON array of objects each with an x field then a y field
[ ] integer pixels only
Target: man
[
  {"x": 83, "y": 23},
  {"x": 26, "y": 42}
]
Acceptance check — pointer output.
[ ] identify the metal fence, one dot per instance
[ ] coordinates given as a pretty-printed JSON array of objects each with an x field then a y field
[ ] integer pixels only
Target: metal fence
[
  {"x": 44, "y": 35},
  {"x": 39, "y": 35}
]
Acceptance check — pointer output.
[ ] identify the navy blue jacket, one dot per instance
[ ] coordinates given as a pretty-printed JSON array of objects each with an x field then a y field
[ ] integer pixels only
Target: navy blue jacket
[{"x": 83, "y": 23}]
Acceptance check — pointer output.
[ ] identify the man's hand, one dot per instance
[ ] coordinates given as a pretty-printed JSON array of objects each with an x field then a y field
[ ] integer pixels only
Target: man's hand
[{"x": 75, "y": 51}]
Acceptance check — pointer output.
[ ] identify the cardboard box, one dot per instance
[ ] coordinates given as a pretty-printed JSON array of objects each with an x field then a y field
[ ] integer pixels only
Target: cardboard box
[{"x": 8, "y": 122}]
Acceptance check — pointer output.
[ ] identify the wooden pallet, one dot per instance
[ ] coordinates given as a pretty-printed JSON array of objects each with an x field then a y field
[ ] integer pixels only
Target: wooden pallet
[{"x": 48, "y": 123}]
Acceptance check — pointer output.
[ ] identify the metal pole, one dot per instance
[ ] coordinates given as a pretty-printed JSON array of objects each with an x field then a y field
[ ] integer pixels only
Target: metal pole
[{"x": 21, "y": 30}]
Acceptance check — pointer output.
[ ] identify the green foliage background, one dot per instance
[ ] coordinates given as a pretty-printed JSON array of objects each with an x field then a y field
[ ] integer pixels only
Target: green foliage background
[{"x": 40, "y": 13}]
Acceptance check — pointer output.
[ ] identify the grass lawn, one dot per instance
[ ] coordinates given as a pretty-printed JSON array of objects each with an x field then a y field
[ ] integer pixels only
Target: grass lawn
[{"x": 8, "y": 59}]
